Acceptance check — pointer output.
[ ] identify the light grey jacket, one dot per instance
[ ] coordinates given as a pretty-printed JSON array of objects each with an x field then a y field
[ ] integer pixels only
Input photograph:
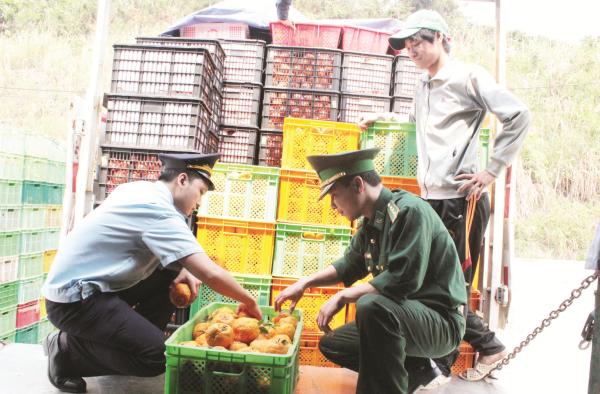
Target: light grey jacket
[{"x": 449, "y": 110}]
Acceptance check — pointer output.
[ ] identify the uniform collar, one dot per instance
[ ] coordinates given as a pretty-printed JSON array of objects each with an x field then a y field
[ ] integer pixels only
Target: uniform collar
[
  {"x": 380, "y": 209},
  {"x": 443, "y": 74}
]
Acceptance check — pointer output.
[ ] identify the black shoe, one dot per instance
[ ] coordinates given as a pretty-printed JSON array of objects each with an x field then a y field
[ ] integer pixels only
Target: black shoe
[
  {"x": 420, "y": 378},
  {"x": 55, "y": 367}
]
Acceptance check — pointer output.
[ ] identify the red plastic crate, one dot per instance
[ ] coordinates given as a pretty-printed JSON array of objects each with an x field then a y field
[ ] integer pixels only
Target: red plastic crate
[
  {"x": 306, "y": 35},
  {"x": 361, "y": 39},
  {"x": 237, "y": 144},
  {"x": 297, "y": 103},
  {"x": 28, "y": 314},
  {"x": 270, "y": 148},
  {"x": 236, "y": 31}
]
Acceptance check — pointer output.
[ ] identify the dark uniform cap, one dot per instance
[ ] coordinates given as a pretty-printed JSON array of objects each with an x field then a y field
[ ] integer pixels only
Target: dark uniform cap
[
  {"x": 200, "y": 162},
  {"x": 330, "y": 168}
]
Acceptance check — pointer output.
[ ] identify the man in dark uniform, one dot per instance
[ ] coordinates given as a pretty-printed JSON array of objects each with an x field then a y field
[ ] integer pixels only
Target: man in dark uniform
[
  {"x": 108, "y": 288},
  {"x": 412, "y": 309}
]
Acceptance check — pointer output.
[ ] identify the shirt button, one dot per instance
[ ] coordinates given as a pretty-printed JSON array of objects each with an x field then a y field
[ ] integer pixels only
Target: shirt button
[{"x": 372, "y": 241}]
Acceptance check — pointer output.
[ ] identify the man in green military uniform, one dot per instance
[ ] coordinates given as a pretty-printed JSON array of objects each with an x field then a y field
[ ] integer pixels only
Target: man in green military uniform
[{"x": 412, "y": 309}]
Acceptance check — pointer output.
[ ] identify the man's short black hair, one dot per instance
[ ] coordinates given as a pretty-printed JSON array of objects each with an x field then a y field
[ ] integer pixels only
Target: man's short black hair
[
  {"x": 429, "y": 35},
  {"x": 169, "y": 174},
  {"x": 370, "y": 177}
]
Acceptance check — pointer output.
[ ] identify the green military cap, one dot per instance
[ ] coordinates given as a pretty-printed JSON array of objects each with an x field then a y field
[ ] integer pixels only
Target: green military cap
[
  {"x": 330, "y": 168},
  {"x": 199, "y": 162},
  {"x": 422, "y": 19}
]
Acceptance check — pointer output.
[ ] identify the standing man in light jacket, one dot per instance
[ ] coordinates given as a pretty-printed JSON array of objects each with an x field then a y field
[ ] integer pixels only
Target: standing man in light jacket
[{"x": 450, "y": 104}]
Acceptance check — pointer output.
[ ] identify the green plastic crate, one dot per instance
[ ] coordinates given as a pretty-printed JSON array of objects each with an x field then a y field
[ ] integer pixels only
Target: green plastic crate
[
  {"x": 28, "y": 334},
  {"x": 10, "y": 243},
  {"x": 8, "y": 319},
  {"x": 202, "y": 370},
  {"x": 258, "y": 286},
  {"x": 9, "y": 294},
  {"x": 10, "y": 218},
  {"x": 30, "y": 289},
  {"x": 55, "y": 193},
  {"x": 242, "y": 191},
  {"x": 11, "y": 166},
  {"x": 31, "y": 265},
  {"x": 10, "y": 192},
  {"x": 484, "y": 147},
  {"x": 302, "y": 250},
  {"x": 398, "y": 148},
  {"x": 45, "y": 328},
  {"x": 34, "y": 193},
  {"x": 8, "y": 337},
  {"x": 32, "y": 241}
]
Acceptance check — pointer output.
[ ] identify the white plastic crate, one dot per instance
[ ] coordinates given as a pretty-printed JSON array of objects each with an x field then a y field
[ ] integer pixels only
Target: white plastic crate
[
  {"x": 51, "y": 238},
  {"x": 10, "y": 217},
  {"x": 32, "y": 216},
  {"x": 11, "y": 166},
  {"x": 9, "y": 268},
  {"x": 53, "y": 216}
]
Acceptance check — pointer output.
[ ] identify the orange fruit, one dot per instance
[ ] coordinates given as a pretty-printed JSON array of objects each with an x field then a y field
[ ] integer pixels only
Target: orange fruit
[
  {"x": 236, "y": 346},
  {"x": 223, "y": 317},
  {"x": 200, "y": 329},
  {"x": 245, "y": 329},
  {"x": 180, "y": 295},
  {"x": 286, "y": 329},
  {"x": 201, "y": 340},
  {"x": 219, "y": 334}
]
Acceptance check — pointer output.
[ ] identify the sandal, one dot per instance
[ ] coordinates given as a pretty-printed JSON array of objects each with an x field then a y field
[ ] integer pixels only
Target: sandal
[{"x": 479, "y": 372}]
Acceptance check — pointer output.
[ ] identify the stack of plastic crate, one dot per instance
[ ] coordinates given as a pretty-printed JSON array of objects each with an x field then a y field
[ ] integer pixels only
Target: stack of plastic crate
[
  {"x": 163, "y": 99},
  {"x": 41, "y": 219},
  {"x": 406, "y": 77},
  {"x": 310, "y": 235},
  {"x": 242, "y": 92},
  {"x": 11, "y": 181},
  {"x": 236, "y": 228},
  {"x": 365, "y": 88},
  {"x": 300, "y": 82}
]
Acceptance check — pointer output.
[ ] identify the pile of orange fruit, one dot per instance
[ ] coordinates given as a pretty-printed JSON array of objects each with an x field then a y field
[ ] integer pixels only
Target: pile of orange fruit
[{"x": 226, "y": 330}]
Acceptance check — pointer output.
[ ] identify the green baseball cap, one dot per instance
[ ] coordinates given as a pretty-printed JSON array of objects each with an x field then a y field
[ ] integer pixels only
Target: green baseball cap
[
  {"x": 330, "y": 168},
  {"x": 422, "y": 19}
]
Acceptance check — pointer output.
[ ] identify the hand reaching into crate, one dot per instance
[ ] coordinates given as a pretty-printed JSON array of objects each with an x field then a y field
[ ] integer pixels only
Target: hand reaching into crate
[
  {"x": 292, "y": 293},
  {"x": 328, "y": 311}
]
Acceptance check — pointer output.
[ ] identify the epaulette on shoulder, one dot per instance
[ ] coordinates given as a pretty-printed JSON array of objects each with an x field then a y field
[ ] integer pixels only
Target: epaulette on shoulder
[{"x": 392, "y": 211}]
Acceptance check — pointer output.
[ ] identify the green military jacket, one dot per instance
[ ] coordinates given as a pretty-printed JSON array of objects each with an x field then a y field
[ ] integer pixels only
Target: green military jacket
[{"x": 409, "y": 252}]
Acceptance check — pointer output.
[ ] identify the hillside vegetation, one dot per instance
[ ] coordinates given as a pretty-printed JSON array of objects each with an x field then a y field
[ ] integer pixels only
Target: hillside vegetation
[{"x": 46, "y": 48}]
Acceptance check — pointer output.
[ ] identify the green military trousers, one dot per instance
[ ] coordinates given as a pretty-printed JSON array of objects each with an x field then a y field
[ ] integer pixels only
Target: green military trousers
[{"x": 390, "y": 339}]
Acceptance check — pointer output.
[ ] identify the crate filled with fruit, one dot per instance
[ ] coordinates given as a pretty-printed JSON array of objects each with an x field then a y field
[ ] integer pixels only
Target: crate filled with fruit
[{"x": 221, "y": 350}]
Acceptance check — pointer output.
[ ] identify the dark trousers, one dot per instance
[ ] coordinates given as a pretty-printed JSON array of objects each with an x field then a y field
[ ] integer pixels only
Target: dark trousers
[
  {"x": 117, "y": 333},
  {"x": 453, "y": 214},
  {"x": 389, "y": 340}
]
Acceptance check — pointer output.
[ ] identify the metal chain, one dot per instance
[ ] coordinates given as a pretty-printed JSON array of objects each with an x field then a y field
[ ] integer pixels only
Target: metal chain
[{"x": 546, "y": 322}]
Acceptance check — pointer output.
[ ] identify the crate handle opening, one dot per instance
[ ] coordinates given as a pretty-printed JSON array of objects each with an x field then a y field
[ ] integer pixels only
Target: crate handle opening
[
  {"x": 242, "y": 176},
  {"x": 311, "y": 235}
]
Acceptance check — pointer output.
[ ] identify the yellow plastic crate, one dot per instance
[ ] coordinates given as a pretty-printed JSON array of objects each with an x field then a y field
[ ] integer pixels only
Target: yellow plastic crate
[
  {"x": 310, "y": 303},
  {"x": 49, "y": 256},
  {"x": 304, "y": 137},
  {"x": 43, "y": 312},
  {"x": 241, "y": 246},
  {"x": 298, "y": 200}
]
